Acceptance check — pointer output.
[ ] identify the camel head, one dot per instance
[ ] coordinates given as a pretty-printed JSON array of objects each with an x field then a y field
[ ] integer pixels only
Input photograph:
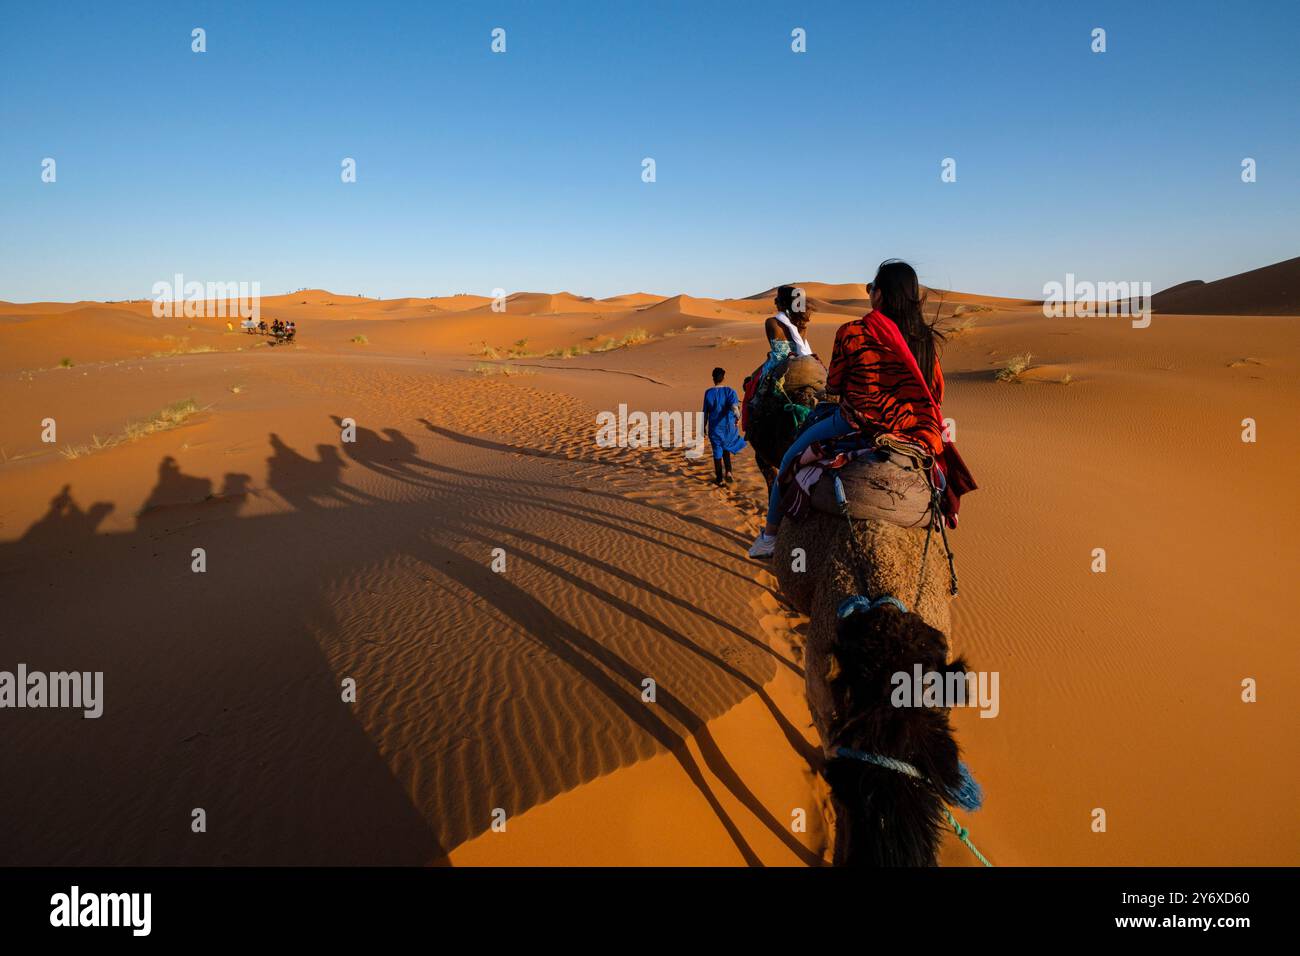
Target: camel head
[{"x": 885, "y": 816}]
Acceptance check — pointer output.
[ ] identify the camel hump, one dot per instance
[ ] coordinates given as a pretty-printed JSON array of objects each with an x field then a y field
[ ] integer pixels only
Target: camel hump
[
  {"x": 804, "y": 371},
  {"x": 883, "y": 486}
]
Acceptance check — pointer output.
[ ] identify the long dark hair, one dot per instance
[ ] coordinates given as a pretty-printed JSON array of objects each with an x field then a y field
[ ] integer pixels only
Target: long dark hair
[
  {"x": 785, "y": 302},
  {"x": 901, "y": 301}
]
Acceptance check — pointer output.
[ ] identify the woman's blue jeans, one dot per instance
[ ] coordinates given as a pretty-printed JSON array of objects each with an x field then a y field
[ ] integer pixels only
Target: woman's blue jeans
[{"x": 832, "y": 426}]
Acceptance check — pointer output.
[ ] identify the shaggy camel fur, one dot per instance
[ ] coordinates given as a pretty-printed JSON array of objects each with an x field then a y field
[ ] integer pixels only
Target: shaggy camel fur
[
  {"x": 891, "y": 564},
  {"x": 884, "y": 817}
]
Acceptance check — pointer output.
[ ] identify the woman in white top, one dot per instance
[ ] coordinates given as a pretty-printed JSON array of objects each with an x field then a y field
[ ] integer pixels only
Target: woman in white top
[
  {"x": 784, "y": 333},
  {"x": 785, "y": 329},
  {"x": 785, "y": 339}
]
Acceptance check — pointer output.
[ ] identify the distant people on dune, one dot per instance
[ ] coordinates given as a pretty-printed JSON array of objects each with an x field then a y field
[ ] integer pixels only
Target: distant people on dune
[
  {"x": 721, "y": 414},
  {"x": 281, "y": 330}
]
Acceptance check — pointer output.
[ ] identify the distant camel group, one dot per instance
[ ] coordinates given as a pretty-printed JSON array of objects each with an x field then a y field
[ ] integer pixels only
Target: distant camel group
[{"x": 281, "y": 332}]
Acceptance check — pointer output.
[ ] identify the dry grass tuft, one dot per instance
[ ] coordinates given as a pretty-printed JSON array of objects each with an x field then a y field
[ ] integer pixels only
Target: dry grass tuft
[
  {"x": 588, "y": 346},
  {"x": 180, "y": 345},
  {"x": 163, "y": 420},
  {"x": 1015, "y": 368},
  {"x": 635, "y": 337},
  {"x": 571, "y": 351},
  {"x": 958, "y": 327},
  {"x": 506, "y": 370}
]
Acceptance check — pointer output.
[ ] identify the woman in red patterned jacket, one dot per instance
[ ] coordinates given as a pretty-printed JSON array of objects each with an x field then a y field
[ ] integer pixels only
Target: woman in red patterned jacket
[{"x": 885, "y": 369}]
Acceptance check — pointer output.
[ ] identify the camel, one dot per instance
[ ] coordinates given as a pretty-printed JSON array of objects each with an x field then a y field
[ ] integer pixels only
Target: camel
[
  {"x": 889, "y": 814},
  {"x": 780, "y": 406},
  {"x": 883, "y": 816}
]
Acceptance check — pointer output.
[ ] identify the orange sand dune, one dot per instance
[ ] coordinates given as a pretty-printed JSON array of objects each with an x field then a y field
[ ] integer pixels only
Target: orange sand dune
[
  {"x": 851, "y": 299},
  {"x": 521, "y": 689},
  {"x": 826, "y": 291},
  {"x": 1272, "y": 290},
  {"x": 316, "y": 297},
  {"x": 969, "y": 298},
  {"x": 459, "y": 303},
  {"x": 685, "y": 306},
  {"x": 95, "y": 333},
  {"x": 538, "y": 303},
  {"x": 25, "y": 309},
  {"x": 633, "y": 300}
]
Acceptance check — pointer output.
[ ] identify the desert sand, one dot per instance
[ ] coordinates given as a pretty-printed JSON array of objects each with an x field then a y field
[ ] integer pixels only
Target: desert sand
[{"x": 521, "y": 691}]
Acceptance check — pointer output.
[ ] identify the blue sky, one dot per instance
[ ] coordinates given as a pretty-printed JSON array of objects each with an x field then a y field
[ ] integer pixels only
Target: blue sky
[{"x": 523, "y": 171}]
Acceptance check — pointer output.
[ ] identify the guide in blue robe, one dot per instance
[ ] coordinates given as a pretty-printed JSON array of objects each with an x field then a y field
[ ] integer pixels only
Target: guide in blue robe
[{"x": 720, "y": 420}]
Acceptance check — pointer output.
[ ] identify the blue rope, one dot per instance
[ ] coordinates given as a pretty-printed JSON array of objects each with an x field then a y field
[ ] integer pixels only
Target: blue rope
[
  {"x": 841, "y": 498},
  {"x": 968, "y": 794},
  {"x": 889, "y": 763},
  {"x": 860, "y": 604}
]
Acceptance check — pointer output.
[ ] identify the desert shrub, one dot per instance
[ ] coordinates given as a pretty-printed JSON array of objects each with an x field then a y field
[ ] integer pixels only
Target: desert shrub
[
  {"x": 1015, "y": 368},
  {"x": 165, "y": 418}
]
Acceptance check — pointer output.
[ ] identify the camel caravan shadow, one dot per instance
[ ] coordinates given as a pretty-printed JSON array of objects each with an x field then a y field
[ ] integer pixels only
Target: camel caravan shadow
[
  {"x": 475, "y": 690},
  {"x": 864, "y": 559}
]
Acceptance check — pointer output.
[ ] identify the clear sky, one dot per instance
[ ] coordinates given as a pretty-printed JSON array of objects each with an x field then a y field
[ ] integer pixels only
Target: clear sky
[{"x": 522, "y": 170}]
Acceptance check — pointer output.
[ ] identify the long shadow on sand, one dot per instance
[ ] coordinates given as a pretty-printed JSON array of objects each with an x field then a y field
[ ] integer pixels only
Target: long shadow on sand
[
  {"x": 216, "y": 695},
  {"x": 611, "y": 462},
  {"x": 223, "y": 688}
]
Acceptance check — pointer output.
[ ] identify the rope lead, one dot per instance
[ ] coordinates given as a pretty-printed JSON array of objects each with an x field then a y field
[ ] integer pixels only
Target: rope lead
[{"x": 964, "y": 835}]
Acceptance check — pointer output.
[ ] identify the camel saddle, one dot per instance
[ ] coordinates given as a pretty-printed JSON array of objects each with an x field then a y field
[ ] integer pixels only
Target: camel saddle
[{"x": 888, "y": 483}]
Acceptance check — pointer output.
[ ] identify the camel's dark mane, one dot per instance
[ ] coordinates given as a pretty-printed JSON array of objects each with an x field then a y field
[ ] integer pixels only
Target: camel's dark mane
[{"x": 884, "y": 817}]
